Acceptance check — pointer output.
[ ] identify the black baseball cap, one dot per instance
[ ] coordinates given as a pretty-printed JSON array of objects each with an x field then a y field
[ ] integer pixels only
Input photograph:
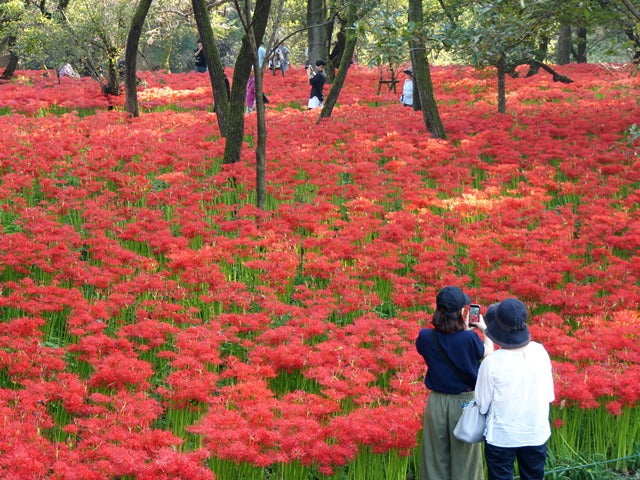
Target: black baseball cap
[{"x": 452, "y": 299}]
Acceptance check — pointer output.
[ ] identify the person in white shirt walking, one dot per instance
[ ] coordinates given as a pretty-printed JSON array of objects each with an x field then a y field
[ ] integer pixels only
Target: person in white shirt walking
[{"x": 514, "y": 388}]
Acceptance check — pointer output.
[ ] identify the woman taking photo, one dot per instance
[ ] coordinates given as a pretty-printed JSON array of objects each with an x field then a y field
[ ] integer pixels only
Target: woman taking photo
[{"x": 452, "y": 352}]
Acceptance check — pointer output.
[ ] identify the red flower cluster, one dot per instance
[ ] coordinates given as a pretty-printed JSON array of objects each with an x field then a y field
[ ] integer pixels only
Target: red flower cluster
[{"x": 153, "y": 319}]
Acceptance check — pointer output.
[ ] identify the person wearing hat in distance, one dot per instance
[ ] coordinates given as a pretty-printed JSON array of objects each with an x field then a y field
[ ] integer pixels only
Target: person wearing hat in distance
[
  {"x": 514, "y": 388},
  {"x": 407, "y": 89},
  {"x": 452, "y": 352},
  {"x": 317, "y": 81}
]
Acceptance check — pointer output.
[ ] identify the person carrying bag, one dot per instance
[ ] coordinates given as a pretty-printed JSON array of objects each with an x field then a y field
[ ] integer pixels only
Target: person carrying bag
[{"x": 452, "y": 352}]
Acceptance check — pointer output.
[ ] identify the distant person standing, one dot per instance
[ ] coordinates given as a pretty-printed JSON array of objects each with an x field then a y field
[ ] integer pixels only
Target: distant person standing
[
  {"x": 285, "y": 58},
  {"x": 407, "y": 89},
  {"x": 250, "y": 98},
  {"x": 317, "y": 81},
  {"x": 200, "y": 65},
  {"x": 262, "y": 53}
]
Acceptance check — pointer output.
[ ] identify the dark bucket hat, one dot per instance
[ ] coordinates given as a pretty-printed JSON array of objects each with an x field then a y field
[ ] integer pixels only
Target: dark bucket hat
[
  {"x": 452, "y": 299},
  {"x": 408, "y": 71},
  {"x": 507, "y": 323}
]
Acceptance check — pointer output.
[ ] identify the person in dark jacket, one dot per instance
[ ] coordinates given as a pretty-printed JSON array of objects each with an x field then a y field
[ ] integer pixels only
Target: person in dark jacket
[
  {"x": 317, "y": 81},
  {"x": 452, "y": 352}
]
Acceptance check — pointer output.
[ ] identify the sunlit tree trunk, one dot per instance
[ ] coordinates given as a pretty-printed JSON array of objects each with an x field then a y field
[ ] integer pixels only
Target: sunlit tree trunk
[
  {"x": 422, "y": 84},
  {"x": 131, "y": 52},
  {"x": 166, "y": 57}
]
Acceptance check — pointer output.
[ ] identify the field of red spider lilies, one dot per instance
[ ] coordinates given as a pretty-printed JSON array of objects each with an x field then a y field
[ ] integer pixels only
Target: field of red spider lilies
[{"x": 156, "y": 325}]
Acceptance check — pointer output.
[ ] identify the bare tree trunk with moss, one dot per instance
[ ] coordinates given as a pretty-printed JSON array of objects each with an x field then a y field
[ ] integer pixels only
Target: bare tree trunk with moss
[
  {"x": 422, "y": 84},
  {"x": 563, "y": 50},
  {"x": 317, "y": 33},
  {"x": 13, "y": 60},
  {"x": 112, "y": 87},
  {"x": 214, "y": 65},
  {"x": 581, "y": 46},
  {"x": 241, "y": 72},
  {"x": 502, "y": 73},
  {"x": 131, "y": 52}
]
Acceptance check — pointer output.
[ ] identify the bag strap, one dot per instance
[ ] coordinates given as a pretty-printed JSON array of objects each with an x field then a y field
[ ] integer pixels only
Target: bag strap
[{"x": 465, "y": 376}]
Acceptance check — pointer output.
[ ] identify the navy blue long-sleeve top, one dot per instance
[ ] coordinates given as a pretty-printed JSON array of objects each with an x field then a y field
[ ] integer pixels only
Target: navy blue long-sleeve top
[{"x": 465, "y": 350}]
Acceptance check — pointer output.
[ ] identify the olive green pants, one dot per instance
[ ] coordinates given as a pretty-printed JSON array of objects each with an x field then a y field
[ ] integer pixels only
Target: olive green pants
[{"x": 444, "y": 457}]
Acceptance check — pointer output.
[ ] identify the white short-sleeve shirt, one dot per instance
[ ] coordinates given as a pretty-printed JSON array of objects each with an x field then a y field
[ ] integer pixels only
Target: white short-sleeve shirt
[{"x": 515, "y": 387}]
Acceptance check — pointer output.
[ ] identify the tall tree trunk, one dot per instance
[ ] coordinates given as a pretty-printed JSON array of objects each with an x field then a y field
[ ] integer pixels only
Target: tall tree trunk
[
  {"x": 241, "y": 72},
  {"x": 318, "y": 44},
  {"x": 261, "y": 145},
  {"x": 563, "y": 52},
  {"x": 13, "y": 60},
  {"x": 214, "y": 65},
  {"x": 502, "y": 73},
  {"x": 351, "y": 38},
  {"x": 422, "y": 84},
  {"x": 131, "y": 52},
  {"x": 581, "y": 47}
]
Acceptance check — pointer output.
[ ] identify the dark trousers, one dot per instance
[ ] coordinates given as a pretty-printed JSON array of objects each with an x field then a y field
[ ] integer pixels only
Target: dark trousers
[{"x": 530, "y": 461}]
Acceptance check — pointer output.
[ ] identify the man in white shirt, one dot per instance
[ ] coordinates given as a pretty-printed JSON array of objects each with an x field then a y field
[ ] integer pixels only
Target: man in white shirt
[{"x": 514, "y": 388}]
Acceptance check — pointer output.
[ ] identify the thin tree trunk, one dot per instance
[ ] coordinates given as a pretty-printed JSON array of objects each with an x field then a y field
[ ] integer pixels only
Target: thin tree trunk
[
  {"x": 563, "y": 52},
  {"x": 502, "y": 96},
  {"x": 422, "y": 84},
  {"x": 261, "y": 146},
  {"x": 214, "y": 65},
  {"x": 351, "y": 38},
  {"x": 131, "y": 52}
]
